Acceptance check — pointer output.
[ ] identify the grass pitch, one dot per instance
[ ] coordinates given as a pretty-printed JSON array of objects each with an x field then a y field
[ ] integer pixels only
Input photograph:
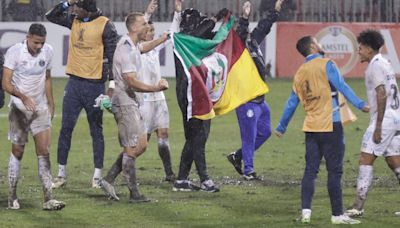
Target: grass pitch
[{"x": 273, "y": 202}]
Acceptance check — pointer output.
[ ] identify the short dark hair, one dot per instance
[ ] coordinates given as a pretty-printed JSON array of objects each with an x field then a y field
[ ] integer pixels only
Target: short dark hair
[
  {"x": 371, "y": 38},
  {"x": 303, "y": 45},
  {"x": 131, "y": 19},
  {"x": 37, "y": 29}
]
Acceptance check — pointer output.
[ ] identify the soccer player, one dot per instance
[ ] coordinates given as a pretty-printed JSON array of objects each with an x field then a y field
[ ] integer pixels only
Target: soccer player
[
  {"x": 254, "y": 116},
  {"x": 316, "y": 85},
  {"x": 27, "y": 78},
  {"x": 382, "y": 137},
  {"x": 125, "y": 104},
  {"x": 90, "y": 55},
  {"x": 154, "y": 108}
]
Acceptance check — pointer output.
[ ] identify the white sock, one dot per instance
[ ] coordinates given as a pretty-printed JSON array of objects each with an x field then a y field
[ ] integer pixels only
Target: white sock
[
  {"x": 306, "y": 213},
  {"x": 13, "y": 173},
  {"x": 364, "y": 181},
  {"x": 97, "y": 173},
  {"x": 62, "y": 170},
  {"x": 45, "y": 176}
]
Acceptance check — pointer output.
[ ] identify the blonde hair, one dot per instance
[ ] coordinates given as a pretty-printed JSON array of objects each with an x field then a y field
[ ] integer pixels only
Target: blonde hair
[{"x": 131, "y": 19}]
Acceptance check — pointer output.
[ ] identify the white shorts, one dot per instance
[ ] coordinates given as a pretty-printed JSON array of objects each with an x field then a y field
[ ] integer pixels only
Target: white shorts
[
  {"x": 389, "y": 146},
  {"x": 155, "y": 115},
  {"x": 23, "y": 121}
]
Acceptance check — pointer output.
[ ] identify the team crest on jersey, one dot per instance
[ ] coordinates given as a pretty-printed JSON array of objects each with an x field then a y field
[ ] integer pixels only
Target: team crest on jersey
[
  {"x": 217, "y": 72},
  {"x": 42, "y": 63}
]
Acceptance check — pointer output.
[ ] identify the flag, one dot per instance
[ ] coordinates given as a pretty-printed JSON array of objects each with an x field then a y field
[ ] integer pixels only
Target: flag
[
  {"x": 221, "y": 73},
  {"x": 346, "y": 115}
]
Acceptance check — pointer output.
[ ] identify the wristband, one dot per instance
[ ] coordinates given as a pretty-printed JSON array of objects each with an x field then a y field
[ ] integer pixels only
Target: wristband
[{"x": 111, "y": 84}]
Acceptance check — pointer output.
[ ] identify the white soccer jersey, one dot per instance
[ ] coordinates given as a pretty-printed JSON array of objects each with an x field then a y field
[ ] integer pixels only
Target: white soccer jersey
[
  {"x": 29, "y": 72},
  {"x": 151, "y": 73},
  {"x": 380, "y": 72},
  {"x": 126, "y": 60}
]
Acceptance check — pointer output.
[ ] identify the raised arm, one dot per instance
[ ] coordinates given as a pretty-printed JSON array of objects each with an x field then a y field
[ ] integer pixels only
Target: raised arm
[
  {"x": 59, "y": 14},
  {"x": 265, "y": 24},
  {"x": 177, "y": 16},
  {"x": 151, "y": 8}
]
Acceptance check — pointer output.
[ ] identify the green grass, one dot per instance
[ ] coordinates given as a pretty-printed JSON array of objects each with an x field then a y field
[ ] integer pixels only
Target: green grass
[{"x": 274, "y": 202}]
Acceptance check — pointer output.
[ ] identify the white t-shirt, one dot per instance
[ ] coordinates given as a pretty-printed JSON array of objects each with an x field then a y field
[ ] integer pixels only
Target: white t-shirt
[
  {"x": 126, "y": 60},
  {"x": 380, "y": 72},
  {"x": 29, "y": 72}
]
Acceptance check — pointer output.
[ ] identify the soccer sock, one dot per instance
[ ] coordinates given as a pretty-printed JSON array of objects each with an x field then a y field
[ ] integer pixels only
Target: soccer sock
[
  {"x": 306, "y": 213},
  {"x": 129, "y": 173},
  {"x": 45, "y": 176},
  {"x": 165, "y": 155},
  {"x": 364, "y": 181},
  {"x": 62, "y": 170},
  {"x": 13, "y": 174},
  {"x": 115, "y": 169},
  {"x": 397, "y": 173},
  {"x": 97, "y": 173}
]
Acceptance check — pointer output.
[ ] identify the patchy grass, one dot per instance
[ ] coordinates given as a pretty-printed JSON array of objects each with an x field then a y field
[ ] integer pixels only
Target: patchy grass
[{"x": 273, "y": 202}]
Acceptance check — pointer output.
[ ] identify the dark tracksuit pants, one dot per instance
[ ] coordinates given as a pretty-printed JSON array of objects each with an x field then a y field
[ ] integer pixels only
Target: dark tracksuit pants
[
  {"x": 329, "y": 145},
  {"x": 196, "y": 134},
  {"x": 81, "y": 94}
]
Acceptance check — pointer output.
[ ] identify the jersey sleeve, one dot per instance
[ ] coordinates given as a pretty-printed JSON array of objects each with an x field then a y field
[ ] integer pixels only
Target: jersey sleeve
[
  {"x": 10, "y": 58},
  {"x": 50, "y": 54},
  {"x": 128, "y": 60},
  {"x": 378, "y": 75}
]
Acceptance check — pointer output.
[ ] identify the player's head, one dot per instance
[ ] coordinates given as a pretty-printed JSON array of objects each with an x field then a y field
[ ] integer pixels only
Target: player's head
[
  {"x": 308, "y": 45},
  {"x": 36, "y": 38},
  {"x": 151, "y": 32},
  {"x": 370, "y": 42},
  {"x": 136, "y": 24},
  {"x": 83, "y": 8}
]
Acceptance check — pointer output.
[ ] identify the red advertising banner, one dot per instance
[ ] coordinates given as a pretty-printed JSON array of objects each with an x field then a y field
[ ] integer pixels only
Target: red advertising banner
[{"x": 339, "y": 41}]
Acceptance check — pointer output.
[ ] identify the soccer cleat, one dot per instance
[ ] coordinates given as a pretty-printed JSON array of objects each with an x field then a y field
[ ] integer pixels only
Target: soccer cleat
[
  {"x": 59, "y": 182},
  {"x": 237, "y": 163},
  {"x": 108, "y": 190},
  {"x": 397, "y": 213},
  {"x": 353, "y": 212},
  {"x": 344, "y": 219},
  {"x": 209, "y": 186},
  {"x": 96, "y": 183},
  {"x": 13, "y": 204},
  {"x": 53, "y": 205},
  {"x": 139, "y": 199},
  {"x": 170, "y": 178},
  {"x": 184, "y": 186},
  {"x": 251, "y": 177}
]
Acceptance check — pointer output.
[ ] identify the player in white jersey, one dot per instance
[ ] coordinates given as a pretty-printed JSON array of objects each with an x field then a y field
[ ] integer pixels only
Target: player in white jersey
[
  {"x": 382, "y": 137},
  {"x": 125, "y": 105},
  {"x": 154, "y": 108},
  {"x": 27, "y": 78}
]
